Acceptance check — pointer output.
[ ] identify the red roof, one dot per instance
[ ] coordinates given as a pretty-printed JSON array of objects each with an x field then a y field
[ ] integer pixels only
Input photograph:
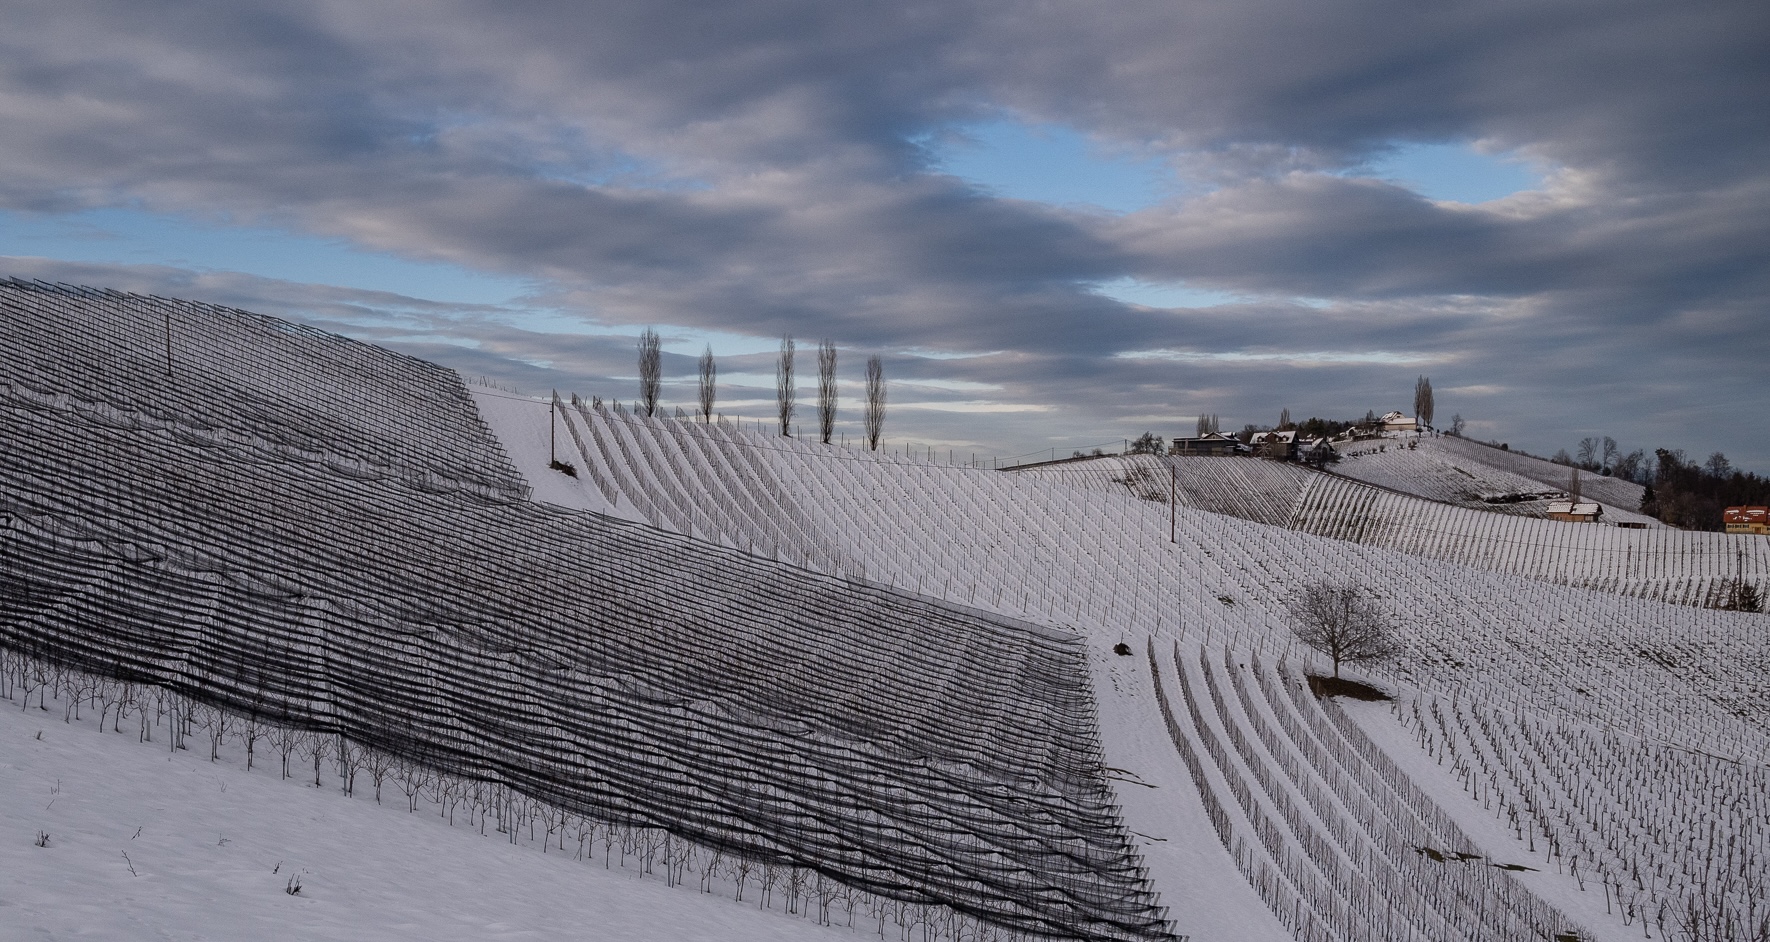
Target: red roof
[{"x": 1746, "y": 515}]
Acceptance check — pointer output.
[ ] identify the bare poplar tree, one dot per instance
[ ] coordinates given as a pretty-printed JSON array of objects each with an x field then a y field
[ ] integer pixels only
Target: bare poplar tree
[
  {"x": 1284, "y": 420},
  {"x": 826, "y": 389},
  {"x": 1423, "y": 401},
  {"x": 875, "y": 417},
  {"x": 651, "y": 371},
  {"x": 709, "y": 384},
  {"x": 1588, "y": 453},
  {"x": 784, "y": 390},
  {"x": 1343, "y": 622}
]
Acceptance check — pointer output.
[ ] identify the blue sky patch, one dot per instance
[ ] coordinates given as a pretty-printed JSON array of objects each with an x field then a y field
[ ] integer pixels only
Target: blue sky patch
[
  {"x": 138, "y": 237},
  {"x": 1455, "y": 172},
  {"x": 1051, "y": 164}
]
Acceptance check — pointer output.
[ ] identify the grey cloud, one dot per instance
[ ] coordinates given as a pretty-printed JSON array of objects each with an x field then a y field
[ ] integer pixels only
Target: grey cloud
[{"x": 754, "y": 172}]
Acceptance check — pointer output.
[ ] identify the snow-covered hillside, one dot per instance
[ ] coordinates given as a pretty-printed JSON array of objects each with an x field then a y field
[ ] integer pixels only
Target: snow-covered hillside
[
  {"x": 1469, "y": 474},
  {"x": 1679, "y": 566},
  {"x": 1100, "y": 559},
  {"x": 142, "y": 841},
  {"x": 990, "y": 705},
  {"x": 907, "y": 749}
]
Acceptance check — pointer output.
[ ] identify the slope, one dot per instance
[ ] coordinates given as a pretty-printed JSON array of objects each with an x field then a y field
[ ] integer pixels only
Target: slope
[
  {"x": 212, "y": 851},
  {"x": 1119, "y": 568},
  {"x": 907, "y": 748},
  {"x": 1677, "y": 566},
  {"x": 1465, "y": 473}
]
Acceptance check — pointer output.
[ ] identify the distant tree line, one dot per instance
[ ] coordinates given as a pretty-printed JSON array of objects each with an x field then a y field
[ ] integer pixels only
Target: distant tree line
[
  {"x": 1690, "y": 495},
  {"x": 1602, "y": 455}
]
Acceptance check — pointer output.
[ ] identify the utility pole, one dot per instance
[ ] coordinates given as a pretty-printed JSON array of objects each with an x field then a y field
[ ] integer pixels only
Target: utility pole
[{"x": 1173, "y": 503}]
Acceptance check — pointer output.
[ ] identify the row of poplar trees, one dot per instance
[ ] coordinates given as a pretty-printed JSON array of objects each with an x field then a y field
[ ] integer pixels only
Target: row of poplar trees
[{"x": 651, "y": 374}]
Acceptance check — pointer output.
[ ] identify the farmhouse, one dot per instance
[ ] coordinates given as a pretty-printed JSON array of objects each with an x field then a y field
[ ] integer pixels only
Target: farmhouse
[
  {"x": 1747, "y": 519},
  {"x": 1279, "y": 445},
  {"x": 1584, "y": 511}
]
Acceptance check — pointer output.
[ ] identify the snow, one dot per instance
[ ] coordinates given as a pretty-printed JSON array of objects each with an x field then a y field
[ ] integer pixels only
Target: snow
[
  {"x": 1491, "y": 835},
  {"x": 521, "y": 424},
  {"x": 1666, "y": 564},
  {"x": 1080, "y": 546},
  {"x": 214, "y": 846},
  {"x": 1100, "y": 561},
  {"x": 1464, "y": 473},
  {"x": 1207, "y": 897},
  {"x": 1253, "y": 806}
]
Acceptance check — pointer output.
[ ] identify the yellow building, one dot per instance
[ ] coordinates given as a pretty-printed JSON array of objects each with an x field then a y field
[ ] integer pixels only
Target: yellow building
[{"x": 1747, "y": 519}]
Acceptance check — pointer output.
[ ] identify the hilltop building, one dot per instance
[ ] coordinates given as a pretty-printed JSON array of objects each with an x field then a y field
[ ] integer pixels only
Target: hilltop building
[
  {"x": 1210, "y": 443},
  {"x": 1281, "y": 446},
  {"x": 1396, "y": 422},
  {"x": 1747, "y": 520}
]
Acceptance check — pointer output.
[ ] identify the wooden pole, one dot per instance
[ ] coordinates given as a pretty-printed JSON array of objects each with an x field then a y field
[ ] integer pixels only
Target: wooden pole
[
  {"x": 552, "y": 407},
  {"x": 168, "y": 313},
  {"x": 1173, "y": 503}
]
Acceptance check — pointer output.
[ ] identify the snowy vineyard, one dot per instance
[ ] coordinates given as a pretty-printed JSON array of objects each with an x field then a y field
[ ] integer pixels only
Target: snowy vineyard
[
  {"x": 1678, "y": 566},
  {"x": 161, "y": 717},
  {"x": 1470, "y": 474},
  {"x": 1087, "y": 544},
  {"x": 1333, "y": 836},
  {"x": 1674, "y": 839},
  {"x": 219, "y": 547},
  {"x": 867, "y": 680},
  {"x": 1058, "y": 550}
]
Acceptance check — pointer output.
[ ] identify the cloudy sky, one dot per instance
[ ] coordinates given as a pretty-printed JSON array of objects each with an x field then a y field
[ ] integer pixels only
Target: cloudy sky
[{"x": 1060, "y": 223}]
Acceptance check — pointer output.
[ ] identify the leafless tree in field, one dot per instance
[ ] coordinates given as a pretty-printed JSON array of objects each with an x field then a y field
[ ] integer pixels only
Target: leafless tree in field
[
  {"x": 1588, "y": 452},
  {"x": 286, "y": 740},
  {"x": 1423, "y": 401},
  {"x": 826, "y": 389},
  {"x": 784, "y": 391},
  {"x": 651, "y": 371},
  {"x": 709, "y": 384},
  {"x": 318, "y": 747},
  {"x": 1284, "y": 420},
  {"x": 1343, "y": 622},
  {"x": 875, "y": 418},
  {"x": 1208, "y": 424}
]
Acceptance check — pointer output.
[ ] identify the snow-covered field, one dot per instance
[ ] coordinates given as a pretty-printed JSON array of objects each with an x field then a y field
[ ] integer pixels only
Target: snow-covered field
[
  {"x": 1046, "y": 546},
  {"x": 905, "y": 666},
  {"x": 1678, "y": 566},
  {"x": 148, "y": 842},
  {"x": 1469, "y": 474},
  {"x": 1101, "y": 560}
]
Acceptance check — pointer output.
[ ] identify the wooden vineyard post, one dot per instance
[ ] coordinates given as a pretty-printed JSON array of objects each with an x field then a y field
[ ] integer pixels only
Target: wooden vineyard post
[
  {"x": 168, "y": 313},
  {"x": 552, "y": 425}
]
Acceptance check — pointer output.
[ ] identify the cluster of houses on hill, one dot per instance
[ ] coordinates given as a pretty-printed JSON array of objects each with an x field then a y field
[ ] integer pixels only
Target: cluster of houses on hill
[{"x": 1289, "y": 444}]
